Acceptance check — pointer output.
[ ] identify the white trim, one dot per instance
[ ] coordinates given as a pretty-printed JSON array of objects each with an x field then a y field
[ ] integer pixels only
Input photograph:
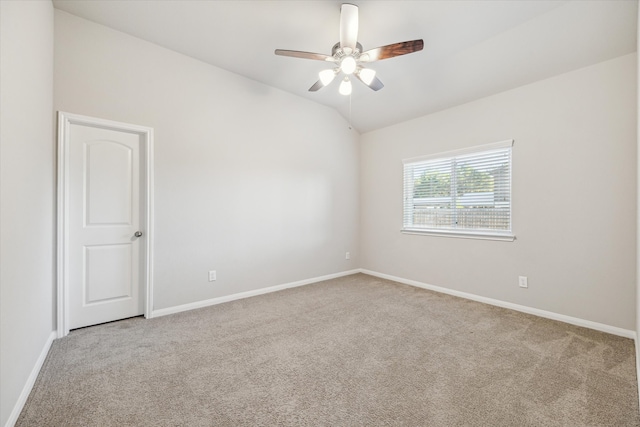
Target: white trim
[
  {"x": 635, "y": 342},
  {"x": 486, "y": 147},
  {"x": 460, "y": 234},
  {"x": 62, "y": 320},
  {"x": 248, "y": 294},
  {"x": 522, "y": 308},
  {"x": 149, "y": 221},
  {"x": 62, "y": 285},
  {"x": 31, "y": 380}
]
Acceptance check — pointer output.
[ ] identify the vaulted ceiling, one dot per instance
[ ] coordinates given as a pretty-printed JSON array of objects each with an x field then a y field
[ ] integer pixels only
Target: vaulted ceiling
[{"x": 472, "y": 49}]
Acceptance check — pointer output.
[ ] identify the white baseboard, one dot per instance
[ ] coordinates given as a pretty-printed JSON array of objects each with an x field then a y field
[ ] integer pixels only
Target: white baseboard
[
  {"x": 233, "y": 297},
  {"x": 522, "y": 308},
  {"x": 31, "y": 380},
  {"x": 635, "y": 342}
]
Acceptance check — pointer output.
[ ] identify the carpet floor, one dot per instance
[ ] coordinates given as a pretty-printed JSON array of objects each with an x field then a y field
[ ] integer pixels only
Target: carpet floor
[{"x": 353, "y": 351}]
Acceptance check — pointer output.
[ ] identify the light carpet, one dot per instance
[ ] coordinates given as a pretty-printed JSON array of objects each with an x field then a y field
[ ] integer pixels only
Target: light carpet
[{"x": 353, "y": 351}]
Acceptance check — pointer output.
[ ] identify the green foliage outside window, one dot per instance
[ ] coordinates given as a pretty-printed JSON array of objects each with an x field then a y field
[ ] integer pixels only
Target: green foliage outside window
[
  {"x": 432, "y": 184},
  {"x": 438, "y": 184}
]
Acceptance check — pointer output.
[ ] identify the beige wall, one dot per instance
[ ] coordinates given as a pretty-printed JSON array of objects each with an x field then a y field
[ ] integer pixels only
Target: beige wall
[
  {"x": 574, "y": 196},
  {"x": 26, "y": 193},
  {"x": 250, "y": 181},
  {"x": 637, "y": 329}
]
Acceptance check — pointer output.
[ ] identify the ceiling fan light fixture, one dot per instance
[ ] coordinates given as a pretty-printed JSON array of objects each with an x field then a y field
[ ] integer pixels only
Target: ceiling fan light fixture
[
  {"x": 327, "y": 76},
  {"x": 348, "y": 65},
  {"x": 348, "y": 56},
  {"x": 366, "y": 75},
  {"x": 345, "y": 87}
]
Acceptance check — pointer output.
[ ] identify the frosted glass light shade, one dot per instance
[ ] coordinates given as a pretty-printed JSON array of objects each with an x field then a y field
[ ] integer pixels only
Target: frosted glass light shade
[
  {"x": 348, "y": 65},
  {"x": 326, "y": 76},
  {"x": 367, "y": 75},
  {"x": 345, "y": 87}
]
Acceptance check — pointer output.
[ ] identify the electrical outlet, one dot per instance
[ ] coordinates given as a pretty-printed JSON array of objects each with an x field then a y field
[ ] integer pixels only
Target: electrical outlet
[
  {"x": 522, "y": 282},
  {"x": 212, "y": 275},
  {"x": 347, "y": 255}
]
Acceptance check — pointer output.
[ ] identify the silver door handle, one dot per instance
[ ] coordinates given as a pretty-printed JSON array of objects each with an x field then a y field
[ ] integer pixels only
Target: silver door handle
[{"x": 138, "y": 233}]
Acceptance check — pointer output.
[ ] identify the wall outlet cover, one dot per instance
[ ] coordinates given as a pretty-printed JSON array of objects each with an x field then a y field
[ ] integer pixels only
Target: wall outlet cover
[{"x": 523, "y": 282}]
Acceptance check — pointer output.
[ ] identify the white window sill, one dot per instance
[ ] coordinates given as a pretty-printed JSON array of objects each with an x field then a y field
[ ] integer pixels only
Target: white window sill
[{"x": 461, "y": 234}]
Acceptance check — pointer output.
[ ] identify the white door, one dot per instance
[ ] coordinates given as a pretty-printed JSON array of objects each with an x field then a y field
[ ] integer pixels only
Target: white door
[{"x": 105, "y": 229}]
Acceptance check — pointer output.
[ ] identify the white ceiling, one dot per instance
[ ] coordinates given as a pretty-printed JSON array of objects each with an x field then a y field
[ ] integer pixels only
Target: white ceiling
[{"x": 472, "y": 49}]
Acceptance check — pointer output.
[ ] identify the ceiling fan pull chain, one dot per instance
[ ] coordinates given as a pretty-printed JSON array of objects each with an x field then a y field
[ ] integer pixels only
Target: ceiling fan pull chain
[
  {"x": 350, "y": 95},
  {"x": 349, "y": 58}
]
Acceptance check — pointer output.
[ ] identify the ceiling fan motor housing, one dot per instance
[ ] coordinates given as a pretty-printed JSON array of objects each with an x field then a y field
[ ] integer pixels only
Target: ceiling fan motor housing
[
  {"x": 338, "y": 53},
  {"x": 347, "y": 55}
]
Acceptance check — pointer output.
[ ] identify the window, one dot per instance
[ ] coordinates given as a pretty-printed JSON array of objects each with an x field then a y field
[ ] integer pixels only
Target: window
[{"x": 464, "y": 193}]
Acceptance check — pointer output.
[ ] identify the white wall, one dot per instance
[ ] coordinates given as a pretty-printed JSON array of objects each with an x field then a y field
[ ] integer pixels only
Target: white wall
[
  {"x": 574, "y": 196},
  {"x": 26, "y": 193},
  {"x": 253, "y": 182}
]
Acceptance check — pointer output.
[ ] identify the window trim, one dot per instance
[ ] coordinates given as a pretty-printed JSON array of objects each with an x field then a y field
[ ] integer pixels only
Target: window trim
[{"x": 507, "y": 236}]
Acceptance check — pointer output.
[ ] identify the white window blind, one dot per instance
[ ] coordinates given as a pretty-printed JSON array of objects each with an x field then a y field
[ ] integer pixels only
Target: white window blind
[{"x": 465, "y": 193}]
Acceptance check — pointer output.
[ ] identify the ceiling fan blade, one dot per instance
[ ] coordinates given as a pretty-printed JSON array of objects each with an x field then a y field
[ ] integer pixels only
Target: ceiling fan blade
[
  {"x": 305, "y": 55},
  {"x": 375, "y": 84},
  {"x": 316, "y": 86},
  {"x": 348, "y": 26},
  {"x": 391, "y": 50}
]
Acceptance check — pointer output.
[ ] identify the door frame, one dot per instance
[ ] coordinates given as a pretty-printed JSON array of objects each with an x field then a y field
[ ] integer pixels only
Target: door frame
[{"x": 65, "y": 120}]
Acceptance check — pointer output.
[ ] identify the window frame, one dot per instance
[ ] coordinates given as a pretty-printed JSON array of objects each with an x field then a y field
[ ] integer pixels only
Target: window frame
[{"x": 506, "y": 235}]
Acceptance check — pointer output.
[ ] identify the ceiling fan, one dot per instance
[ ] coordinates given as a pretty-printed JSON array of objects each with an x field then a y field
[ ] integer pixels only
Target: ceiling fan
[{"x": 348, "y": 57}]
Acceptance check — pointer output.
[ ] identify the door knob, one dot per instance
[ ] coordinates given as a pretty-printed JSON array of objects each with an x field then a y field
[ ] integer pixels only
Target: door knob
[{"x": 138, "y": 233}]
